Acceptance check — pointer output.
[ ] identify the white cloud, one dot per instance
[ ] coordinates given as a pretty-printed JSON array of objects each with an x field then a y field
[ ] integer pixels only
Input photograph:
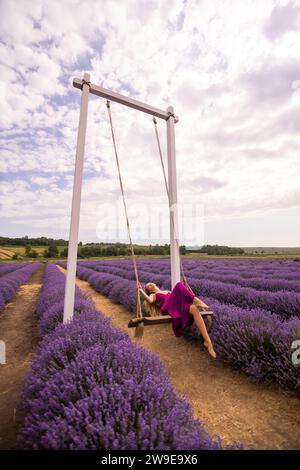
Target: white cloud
[
  {"x": 283, "y": 19},
  {"x": 238, "y": 132}
]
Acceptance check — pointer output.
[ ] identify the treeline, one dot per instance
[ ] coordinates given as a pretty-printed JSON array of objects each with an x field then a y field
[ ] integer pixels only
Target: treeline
[
  {"x": 40, "y": 241},
  {"x": 91, "y": 250},
  {"x": 119, "y": 249},
  {"x": 94, "y": 250},
  {"x": 218, "y": 250}
]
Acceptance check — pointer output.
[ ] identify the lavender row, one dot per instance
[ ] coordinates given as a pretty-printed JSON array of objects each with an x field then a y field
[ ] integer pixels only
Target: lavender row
[
  {"x": 258, "y": 283},
  {"x": 257, "y": 342},
  {"x": 126, "y": 273},
  {"x": 90, "y": 387},
  {"x": 231, "y": 264},
  {"x": 252, "y": 340},
  {"x": 249, "y": 272},
  {"x": 10, "y": 267},
  {"x": 10, "y": 282},
  {"x": 283, "y": 303},
  {"x": 282, "y": 275}
]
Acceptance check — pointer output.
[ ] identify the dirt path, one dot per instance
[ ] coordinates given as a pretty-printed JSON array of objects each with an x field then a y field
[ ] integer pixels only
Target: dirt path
[
  {"x": 227, "y": 401},
  {"x": 18, "y": 330}
]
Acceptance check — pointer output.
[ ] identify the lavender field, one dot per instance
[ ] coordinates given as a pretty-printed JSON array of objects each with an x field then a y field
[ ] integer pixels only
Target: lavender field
[
  {"x": 90, "y": 387},
  {"x": 256, "y": 306}
]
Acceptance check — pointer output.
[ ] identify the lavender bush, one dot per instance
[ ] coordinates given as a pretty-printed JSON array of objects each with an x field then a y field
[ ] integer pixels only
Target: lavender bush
[
  {"x": 90, "y": 387},
  {"x": 253, "y": 339},
  {"x": 284, "y": 302},
  {"x": 257, "y": 342},
  {"x": 10, "y": 282},
  {"x": 10, "y": 267}
]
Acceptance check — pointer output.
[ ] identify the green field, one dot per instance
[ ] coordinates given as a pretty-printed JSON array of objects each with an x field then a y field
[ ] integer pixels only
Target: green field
[
  {"x": 7, "y": 253},
  {"x": 273, "y": 250}
]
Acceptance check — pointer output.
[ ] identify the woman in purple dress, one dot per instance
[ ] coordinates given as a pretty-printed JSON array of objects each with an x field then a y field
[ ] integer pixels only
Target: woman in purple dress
[{"x": 179, "y": 304}]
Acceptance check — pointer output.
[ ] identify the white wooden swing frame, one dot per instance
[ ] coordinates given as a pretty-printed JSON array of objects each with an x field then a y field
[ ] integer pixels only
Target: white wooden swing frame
[{"x": 87, "y": 87}]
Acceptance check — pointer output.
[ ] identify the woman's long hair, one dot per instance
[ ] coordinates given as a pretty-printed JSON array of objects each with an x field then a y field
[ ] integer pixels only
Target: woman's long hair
[{"x": 151, "y": 309}]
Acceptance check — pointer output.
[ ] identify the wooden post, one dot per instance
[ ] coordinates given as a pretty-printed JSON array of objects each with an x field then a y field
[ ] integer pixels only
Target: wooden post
[
  {"x": 172, "y": 184},
  {"x": 75, "y": 213}
]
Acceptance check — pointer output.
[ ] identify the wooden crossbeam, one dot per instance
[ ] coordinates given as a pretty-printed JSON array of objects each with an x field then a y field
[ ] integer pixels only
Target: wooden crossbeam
[{"x": 125, "y": 100}]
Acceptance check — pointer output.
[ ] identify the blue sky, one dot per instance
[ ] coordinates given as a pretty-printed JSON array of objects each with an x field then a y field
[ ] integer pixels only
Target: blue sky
[{"x": 230, "y": 69}]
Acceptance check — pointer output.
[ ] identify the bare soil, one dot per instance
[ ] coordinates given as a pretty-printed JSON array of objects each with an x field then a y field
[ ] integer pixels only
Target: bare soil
[
  {"x": 18, "y": 328},
  {"x": 227, "y": 401}
]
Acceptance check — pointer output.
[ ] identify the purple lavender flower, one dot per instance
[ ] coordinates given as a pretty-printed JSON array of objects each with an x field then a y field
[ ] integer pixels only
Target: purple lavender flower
[
  {"x": 90, "y": 387},
  {"x": 253, "y": 329},
  {"x": 11, "y": 280}
]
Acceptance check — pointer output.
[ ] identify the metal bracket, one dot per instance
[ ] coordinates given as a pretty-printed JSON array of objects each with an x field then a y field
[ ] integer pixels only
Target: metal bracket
[
  {"x": 84, "y": 82},
  {"x": 173, "y": 116}
]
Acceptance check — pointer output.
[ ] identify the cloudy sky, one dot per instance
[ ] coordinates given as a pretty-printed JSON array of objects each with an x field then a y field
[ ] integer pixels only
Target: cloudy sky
[{"x": 231, "y": 70}]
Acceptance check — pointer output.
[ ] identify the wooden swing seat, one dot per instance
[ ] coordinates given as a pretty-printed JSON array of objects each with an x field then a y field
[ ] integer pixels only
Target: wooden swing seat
[{"x": 148, "y": 320}]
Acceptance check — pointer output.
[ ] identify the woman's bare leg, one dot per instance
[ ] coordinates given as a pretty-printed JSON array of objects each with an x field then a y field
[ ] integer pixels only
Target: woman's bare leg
[{"x": 202, "y": 328}]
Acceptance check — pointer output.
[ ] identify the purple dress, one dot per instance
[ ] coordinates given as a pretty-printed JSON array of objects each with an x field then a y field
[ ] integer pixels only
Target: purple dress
[{"x": 177, "y": 304}]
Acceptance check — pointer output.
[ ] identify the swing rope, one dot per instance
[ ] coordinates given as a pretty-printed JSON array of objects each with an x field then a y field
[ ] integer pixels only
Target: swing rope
[
  {"x": 140, "y": 326},
  {"x": 138, "y": 304},
  {"x": 168, "y": 194}
]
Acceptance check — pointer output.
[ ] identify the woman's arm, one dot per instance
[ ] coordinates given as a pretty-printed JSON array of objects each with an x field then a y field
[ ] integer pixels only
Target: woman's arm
[{"x": 151, "y": 298}]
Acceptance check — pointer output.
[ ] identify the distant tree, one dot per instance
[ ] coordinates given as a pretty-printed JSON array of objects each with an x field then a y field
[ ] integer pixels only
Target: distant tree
[
  {"x": 51, "y": 252},
  {"x": 220, "y": 250},
  {"x": 111, "y": 250},
  {"x": 64, "y": 252},
  {"x": 23, "y": 241},
  {"x": 46, "y": 253},
  {"x": 182, "y": 250},
  {"x": 27, "y": 250}
]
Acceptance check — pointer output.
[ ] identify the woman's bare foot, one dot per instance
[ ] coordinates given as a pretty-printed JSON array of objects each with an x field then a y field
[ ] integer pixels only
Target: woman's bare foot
[{"x": 210, "y": 349}]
